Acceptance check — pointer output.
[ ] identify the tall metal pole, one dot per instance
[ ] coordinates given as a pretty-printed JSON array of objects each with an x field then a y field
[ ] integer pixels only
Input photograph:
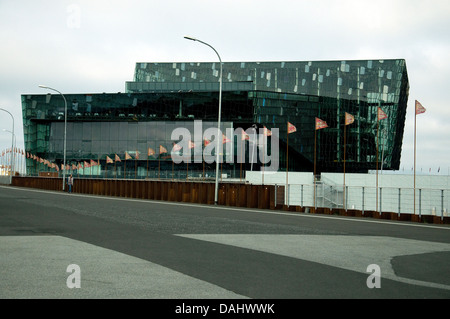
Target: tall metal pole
[
  {"x": 216, "y": 191},
  {"x": 345, "y": 146},
  {"x": 415, "y": 118},
  {"x": 376, "y": 204},
  {"x": 314, "y": 176},
  {"x": 12, "y": 145},
  {"x": 65, "y": 131},
  {"x": 253, "y": 146},
  {"x": 287, "y": 164},
  {"x": 13, "y": 151}
]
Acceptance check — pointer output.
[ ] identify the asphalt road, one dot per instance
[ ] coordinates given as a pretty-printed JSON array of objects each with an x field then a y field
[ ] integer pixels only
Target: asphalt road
[{"x": 127, "y": 248}]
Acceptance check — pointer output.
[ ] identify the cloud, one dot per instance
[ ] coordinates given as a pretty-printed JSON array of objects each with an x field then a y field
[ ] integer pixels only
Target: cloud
[{"x": 92, "y": 46}]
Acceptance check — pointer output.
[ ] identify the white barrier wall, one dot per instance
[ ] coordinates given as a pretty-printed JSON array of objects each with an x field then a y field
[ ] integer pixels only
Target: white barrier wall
[
  {"x": 279, "y": 178},
  {"x": 395, "y": 192},
  {"x": 390, "y": 180},
  {"x": 5, "y": 180},
  {"x": 300, "y": 191}
]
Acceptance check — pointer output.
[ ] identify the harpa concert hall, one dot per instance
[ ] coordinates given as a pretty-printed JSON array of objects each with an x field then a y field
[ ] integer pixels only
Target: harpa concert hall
[{"x": 166, "y": 96}]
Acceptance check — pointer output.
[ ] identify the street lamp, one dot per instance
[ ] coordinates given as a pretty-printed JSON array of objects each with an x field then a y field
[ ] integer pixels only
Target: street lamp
[
  {"x": 13, "y": 156},
  {"x": 65, "y": 131},
  {"x": 255, "y": 140},
  {"x": 12, "y": 144},
  {"x": 218, "y": 120}
]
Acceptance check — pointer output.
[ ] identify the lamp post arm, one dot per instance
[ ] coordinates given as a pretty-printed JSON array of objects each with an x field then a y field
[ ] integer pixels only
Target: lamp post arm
[{"x": 65, "y": 131}]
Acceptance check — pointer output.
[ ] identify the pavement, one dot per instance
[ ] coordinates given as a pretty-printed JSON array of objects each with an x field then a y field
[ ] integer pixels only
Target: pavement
[{"x": 55, "y": 245}]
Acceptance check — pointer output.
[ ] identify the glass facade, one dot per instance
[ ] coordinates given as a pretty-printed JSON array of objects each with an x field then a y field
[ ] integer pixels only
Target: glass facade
[{"x": 164, "y": 96}]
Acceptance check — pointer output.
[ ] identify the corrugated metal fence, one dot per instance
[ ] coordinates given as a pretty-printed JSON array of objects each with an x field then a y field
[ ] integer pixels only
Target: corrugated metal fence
[{"x": 230, "y": 194}]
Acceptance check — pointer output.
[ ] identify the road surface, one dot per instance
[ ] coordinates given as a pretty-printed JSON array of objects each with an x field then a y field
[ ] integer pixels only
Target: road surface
[{"x": 59, "y": 245}]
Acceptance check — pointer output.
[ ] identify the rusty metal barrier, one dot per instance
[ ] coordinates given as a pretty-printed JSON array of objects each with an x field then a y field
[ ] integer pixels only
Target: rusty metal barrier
[{"x": 229, "y": 194}]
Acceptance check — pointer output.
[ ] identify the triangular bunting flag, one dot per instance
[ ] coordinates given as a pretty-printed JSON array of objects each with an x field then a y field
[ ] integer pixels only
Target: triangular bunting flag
[
  {"x": 419, "y": 108},
  {"x": 320, "y": 124},
  {"x": 225, "y": 139},
  {"x": 381, "y": 114},
  {"x": 176, "y": 147},
  {"x": 267, "y": 132},
  {"x": 291, "y": 128},
  {"x": 349, "y": 119}
]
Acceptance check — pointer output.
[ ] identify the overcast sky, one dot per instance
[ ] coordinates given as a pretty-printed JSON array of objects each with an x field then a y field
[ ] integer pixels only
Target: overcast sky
[{"x": 92, "y": 47}]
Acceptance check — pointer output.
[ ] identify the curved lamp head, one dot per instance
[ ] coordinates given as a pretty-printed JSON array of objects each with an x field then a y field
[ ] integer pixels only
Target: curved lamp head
[
  {"x": 5, "y": 130},
  {"x": 190, "y": 38}
]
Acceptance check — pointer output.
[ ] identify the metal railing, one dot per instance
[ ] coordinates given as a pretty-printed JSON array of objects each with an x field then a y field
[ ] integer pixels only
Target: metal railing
[{"x": 390, "y": 199}]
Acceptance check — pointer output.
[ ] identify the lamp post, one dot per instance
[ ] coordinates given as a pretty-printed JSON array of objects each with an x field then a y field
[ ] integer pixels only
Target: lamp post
[
  {"x": 218, "y": 119},
  {"x": 12, "y": 145},
  {"x": 254, "y": 126},
  {"x": 65, "y": 131},
  {"x": 13, "y": 148}
]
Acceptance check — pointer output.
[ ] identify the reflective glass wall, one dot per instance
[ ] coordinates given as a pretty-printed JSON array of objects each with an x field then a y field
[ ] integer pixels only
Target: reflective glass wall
[
  {"x": 101, "y": 125},
  {"x": 309, "y": 89},
  {"x": 271, "y": 94}
]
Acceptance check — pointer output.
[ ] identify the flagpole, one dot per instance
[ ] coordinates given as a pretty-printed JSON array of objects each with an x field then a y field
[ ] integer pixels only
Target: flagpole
[
  {"x": 376, "y": 199},
  {"x": 314, "y": 176},
  {"x": 415, "y": 118},
  {"x": 19, "y": 160},
  {"x": 147, "y": 162},
  {"x": 287, "y": 163},
  {"x": 203, "y": 160},
  {"x": 264, "y": 158},
  {"x": 345, "y": 146},
  {"x": 159, "y": 163}
]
